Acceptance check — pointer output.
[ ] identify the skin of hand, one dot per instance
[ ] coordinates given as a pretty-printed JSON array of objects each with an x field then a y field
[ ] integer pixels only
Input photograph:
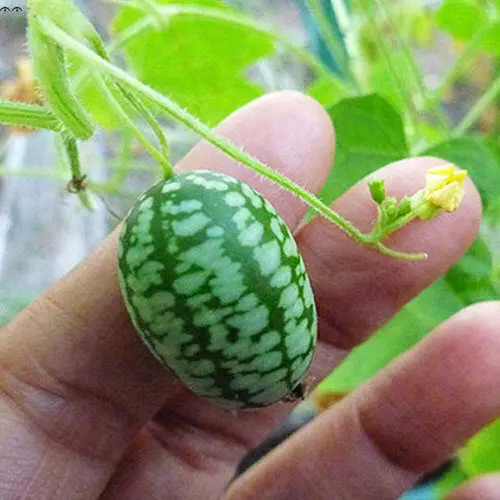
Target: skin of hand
[{"x": 87, "y": 412}]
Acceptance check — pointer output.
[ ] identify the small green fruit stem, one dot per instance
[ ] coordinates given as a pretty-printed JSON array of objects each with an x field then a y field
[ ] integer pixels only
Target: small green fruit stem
[
  {"x": 119, "y": 110},
  {"x": 28, "y": 115},
  {"x": 160, "y": 156},
  {"x": 168, "y": 170},
  {"x": 181, "y": 116}
]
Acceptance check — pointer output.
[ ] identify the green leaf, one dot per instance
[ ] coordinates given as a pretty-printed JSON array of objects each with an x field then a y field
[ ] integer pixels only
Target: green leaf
[
  {"x": 201, "y": 63},
  {"x": 491, "y": 39},
  {"x": 480, "y": 455},
  {"x": 433, "y": 306},
  {"x": 394, "y": 88},
  {"x": 472, "y": 277},
  {"x": 328, "y": 91},
  {"x": 465, "y": 20},
  {"x": 449, "y": 481},
  {"x": 480, "y": 156},
  {"x": 88, "y": 88},
  {"x": 369, "y": 134},
  {"x": 460, "y": 18},
  {"x": 430, "y": 135}
]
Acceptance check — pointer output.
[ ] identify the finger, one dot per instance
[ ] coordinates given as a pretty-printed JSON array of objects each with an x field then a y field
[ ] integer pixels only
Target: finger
[
  {"x": 77, "y": 383},
  {"x": 404, "y": 422},
  {"x": 486, "y": 487},
  {"x": 356, "y": 288},
  {"x": 284, "y": 137}
]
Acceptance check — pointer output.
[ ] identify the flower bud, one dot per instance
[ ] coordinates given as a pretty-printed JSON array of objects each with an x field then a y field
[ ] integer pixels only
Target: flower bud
[{"x": 377, "y": 190}]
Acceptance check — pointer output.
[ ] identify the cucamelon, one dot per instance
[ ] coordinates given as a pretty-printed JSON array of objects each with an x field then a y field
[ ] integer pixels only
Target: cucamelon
[{"x": 216, "y": 287}]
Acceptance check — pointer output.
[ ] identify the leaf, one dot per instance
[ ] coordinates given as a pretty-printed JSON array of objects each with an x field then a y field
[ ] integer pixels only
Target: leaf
[
  {"x": 199, "y": 62},
  {"x": 491, "y": 39},
  {"x": 395, "y": 88},
  {"x": 429, "y": 134},
  {"x": 480, "y": 455},
  {"x": 369, "y": 135},
  {"x": 433, "y": 306},
  {"x": 460, "y": 18},
  {"x": 449, "y": 481},
  {"x": 480, "y": 156},
  {"x": 464, "y": 20},
  {"x": 328, "y": 91},
  {"x": 89, "y": 89},
  {"x": 472, "y": 277}
]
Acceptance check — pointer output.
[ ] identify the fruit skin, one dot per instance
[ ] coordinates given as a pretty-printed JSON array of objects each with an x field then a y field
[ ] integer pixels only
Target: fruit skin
[{"x": 215, "y": 286}]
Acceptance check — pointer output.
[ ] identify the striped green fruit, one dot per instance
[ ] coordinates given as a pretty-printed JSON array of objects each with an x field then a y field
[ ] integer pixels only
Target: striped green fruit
[{"x": 215, "y": 286}]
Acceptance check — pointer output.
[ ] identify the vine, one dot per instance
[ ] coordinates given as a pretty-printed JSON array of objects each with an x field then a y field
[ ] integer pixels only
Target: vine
[{"x": 51, "y": 43}]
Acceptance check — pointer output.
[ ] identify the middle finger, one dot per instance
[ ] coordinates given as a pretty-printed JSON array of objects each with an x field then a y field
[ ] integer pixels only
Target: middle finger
[{"x": 356, "y": 288}]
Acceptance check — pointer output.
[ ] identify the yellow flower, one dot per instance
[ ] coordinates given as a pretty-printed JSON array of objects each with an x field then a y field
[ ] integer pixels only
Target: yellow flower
[{"x": 444, "y": 187}]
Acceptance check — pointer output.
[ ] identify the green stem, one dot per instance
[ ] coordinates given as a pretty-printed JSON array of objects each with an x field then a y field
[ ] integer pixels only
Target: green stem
[
  {"x": 478, "y": 109},
  {"x": 160, "y": 156},
  {"x": 168, "y": 171},
  {"x": 400, "y": 255},
  {"x": 395, "y": 226},
  {"x": 180, "y": 115},
  {"x": 229, "y": 17},
  {"x": 71, "y": 147},
  {"x": 27, "y": 115}
]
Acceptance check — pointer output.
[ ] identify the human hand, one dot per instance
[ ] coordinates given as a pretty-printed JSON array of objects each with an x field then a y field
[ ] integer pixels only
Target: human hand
[{"x": 87, "y": 412}]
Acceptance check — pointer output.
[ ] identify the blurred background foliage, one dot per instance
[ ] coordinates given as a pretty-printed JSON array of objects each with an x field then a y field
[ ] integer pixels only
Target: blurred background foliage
[{"x": 399, "y": 78}]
